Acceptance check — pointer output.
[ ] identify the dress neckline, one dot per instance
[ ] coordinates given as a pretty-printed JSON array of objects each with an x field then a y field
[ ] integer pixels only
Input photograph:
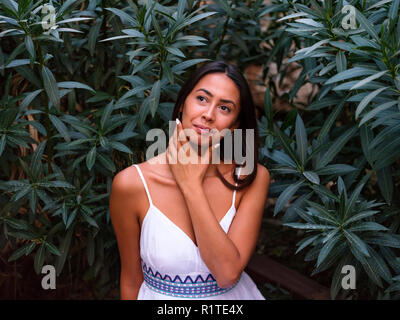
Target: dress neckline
[
  {"x": 175, "y": 226},
  {"x": 151, "y": 205}
]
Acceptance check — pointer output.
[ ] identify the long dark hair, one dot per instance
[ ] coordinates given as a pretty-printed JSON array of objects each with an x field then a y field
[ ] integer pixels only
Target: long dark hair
[{"x": 247, "y": 116}]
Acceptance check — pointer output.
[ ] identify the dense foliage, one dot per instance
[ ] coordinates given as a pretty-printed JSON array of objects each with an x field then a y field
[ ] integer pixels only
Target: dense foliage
[{"x": 79, "y": 98}]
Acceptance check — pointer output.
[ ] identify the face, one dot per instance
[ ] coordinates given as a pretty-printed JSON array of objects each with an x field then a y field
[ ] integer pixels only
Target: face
[{"x": 213, "y": 103}]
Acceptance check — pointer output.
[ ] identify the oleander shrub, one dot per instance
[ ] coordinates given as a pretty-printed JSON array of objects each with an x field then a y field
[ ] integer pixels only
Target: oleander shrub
[
  {"x": 78, "y": 99},
  {"x": 79, "y": 93},
  {"x": 336, "y": 161}
]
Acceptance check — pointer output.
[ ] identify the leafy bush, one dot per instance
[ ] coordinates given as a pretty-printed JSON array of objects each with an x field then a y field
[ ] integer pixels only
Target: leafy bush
[
  {"x": 352, "y": 135},
  {"x": 79, "y": 98}
]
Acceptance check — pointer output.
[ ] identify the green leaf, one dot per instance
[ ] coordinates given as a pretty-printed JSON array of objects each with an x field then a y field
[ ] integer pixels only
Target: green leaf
[
  {"x": 366, "y": 25},
  {"x": 279, "y": 157},
  {"x": 336, "y": 147},
  {"x": 311, "y": 176},
  {"x": 379, "y": 265},
  {"x": 394, "y": 10},
  {"x": 36, "y": 160},
  {"x": 301, "y": 140},
  {"x": 106, "y": 162},
  {"x": 369, "y": 115},
  {"x": 284, "y": 140},
  {"x": 50, "y": 85},
  {"x": 326, "y": 128},
  {"x": 320, "y": 212},
  {"x": 39, "y": 258},
  {"x": 175, "y": 51},
  {"x": 341, "y": 62},
  {"x": 29, "y": 98},
  {"x": 186, "y": 64},
  {"x": 155, "y": 97},
  {"x": 52, "y": 248},
  {"x": 106, "y": 114},
  {"x": 385, "y": 183},
  {"x": 354, "y": 196},
  {"x": 30, "y": 47},
  {"x": 285, "y": 196},
  {"x": 367, "y": 226},
  {"x": 305, "y": 242},
  {"x": 384, "y": 239},
  {"x": 91, "y": 158},
  {"x": 326, "y": 249},
  {"x": 326, "y": 102},
  {"x": 133, "y": 33},
  {"x": 360, "y": 215},
  {"x": 350, "y": 73},
  {"x": 269, "y": 112},
  {"x": 368, "y": 79},
  {"x": 17, "y": 253},
  {"x": 356, "y": 243},
  {"x": 125, "y": 18},
  {"x": 225, "y": 6},
  {"x": 324, "y": 191},
  {"x": 64, "y": 250},
  {"x": 196, "y": 18},
  {"x": 93, "y": 35},
  {"x": 308, "y": 226},
  {"x": 61, "y": 127},
  {"x": 89, "y": 219},
  {"x": 120, "y": 147},
  {"x": 335, "y": 169},
  {"x": 2, "y": 143},
  {"x": 367, "y": 266},
  {"x": 74, "y": 85},
  {"x": 15, "y": 63},
  {"x": 366, "y": 136}
]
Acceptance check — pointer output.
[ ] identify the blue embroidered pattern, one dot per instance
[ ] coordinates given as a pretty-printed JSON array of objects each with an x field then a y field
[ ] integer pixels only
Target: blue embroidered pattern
[{"x": 199, "y": 288}]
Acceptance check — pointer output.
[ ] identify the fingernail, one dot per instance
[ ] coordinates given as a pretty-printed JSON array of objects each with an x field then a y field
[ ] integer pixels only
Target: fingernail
[
  {"x": 216, "y": 146},
  {"x": 177, "y": 121}
]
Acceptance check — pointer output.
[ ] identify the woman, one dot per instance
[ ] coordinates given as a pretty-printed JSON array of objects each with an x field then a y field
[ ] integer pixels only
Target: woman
[{"x": 182, "y": 233}]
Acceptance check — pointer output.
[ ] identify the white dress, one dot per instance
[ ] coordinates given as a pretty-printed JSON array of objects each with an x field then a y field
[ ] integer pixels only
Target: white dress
[{"x": 172, "y": 265}]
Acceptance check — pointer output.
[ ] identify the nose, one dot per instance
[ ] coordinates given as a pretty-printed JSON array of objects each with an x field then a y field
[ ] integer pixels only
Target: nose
[{"x": 208, "y": 114}]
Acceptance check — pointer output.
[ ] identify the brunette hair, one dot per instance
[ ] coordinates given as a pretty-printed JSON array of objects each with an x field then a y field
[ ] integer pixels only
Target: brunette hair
[{"x": 247, "y": 116}]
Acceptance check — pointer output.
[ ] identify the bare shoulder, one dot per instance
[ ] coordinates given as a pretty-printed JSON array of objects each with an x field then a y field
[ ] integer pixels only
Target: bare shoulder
[
  {"x": 126, "y": 191},
  {"x": 262, "y": 173},
  {"x": 126, "y": 181},
  {"x": 262, "y": 178}
]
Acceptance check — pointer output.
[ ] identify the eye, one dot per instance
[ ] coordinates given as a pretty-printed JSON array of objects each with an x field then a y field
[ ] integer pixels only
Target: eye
[
  {"x": 227, "y": 109},
  {"x": 200, "y": 98}
]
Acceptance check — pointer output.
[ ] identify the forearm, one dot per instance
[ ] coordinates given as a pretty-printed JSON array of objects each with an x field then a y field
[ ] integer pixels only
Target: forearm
[
  {"x": 129, "y": 292},
  {"x": 216, "y": 249}
]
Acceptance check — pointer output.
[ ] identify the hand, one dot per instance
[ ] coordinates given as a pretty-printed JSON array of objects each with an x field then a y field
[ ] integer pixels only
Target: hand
[{"x": 187, "y": 165}]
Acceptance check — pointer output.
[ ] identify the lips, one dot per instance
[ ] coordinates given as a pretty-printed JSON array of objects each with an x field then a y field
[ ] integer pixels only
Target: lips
[{"x": 202, "y": 129}]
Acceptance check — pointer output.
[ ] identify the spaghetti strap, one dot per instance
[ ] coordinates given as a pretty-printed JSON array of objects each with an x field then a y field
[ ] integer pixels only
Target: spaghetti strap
[
  {"x": 234, "y": 192},
  {"x": 144, "y": 183}
]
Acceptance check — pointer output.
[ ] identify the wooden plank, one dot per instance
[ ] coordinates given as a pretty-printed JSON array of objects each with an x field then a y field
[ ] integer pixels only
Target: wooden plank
[{"x": 263, "y": 269}]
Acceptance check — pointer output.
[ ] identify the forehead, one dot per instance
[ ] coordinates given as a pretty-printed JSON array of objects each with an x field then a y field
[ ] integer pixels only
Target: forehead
[{"x": 220, "y": 86}]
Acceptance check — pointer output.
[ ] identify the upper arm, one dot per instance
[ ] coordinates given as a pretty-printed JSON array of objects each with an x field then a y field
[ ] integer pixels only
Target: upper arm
[
  {"x": 245, "y": 227},
  {"x": 124, "y": 218}
]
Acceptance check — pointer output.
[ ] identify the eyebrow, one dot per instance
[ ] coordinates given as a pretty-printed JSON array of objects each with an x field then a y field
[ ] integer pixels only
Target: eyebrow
[{"x": 211, "y": 95}]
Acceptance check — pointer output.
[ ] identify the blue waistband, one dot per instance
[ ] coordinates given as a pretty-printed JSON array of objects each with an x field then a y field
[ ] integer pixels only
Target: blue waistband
[{"x": 188, "y": 288}]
